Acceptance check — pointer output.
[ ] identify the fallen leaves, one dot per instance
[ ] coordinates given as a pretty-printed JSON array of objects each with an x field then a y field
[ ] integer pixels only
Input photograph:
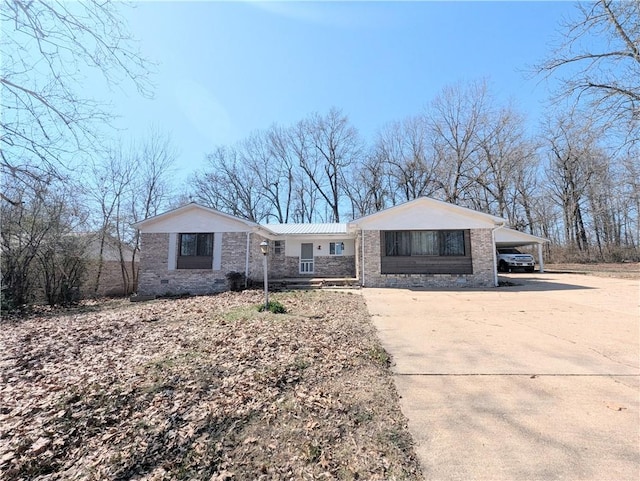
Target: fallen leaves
[{"x": 200, "y": 388}]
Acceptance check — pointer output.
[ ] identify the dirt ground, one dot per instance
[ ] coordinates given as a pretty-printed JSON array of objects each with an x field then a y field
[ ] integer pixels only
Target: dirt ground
[{"x": 203, "y": 388}]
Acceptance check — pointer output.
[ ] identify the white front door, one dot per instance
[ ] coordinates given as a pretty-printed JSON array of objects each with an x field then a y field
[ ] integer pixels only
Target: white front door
[{"x": 306, "y": 258}]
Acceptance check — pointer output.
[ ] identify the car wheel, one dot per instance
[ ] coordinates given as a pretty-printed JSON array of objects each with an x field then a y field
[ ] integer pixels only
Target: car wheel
[{"x": 502, "y": 266}]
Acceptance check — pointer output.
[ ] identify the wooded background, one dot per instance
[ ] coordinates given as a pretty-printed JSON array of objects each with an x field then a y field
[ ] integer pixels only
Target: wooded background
[{"x": 573, "y": 179}]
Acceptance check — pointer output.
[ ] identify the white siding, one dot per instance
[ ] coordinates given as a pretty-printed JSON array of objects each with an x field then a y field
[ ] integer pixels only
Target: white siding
[
  {"x": 292, "y": 246},
  {"x": 195, "y": 220}
]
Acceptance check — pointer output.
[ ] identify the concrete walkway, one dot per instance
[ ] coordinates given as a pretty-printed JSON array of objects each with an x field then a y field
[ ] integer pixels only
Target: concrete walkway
[{"x": 538, "y": 381}]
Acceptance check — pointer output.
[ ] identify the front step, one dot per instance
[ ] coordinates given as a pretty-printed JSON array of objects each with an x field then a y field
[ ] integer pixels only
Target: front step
[{"x": 315, "y": 283}]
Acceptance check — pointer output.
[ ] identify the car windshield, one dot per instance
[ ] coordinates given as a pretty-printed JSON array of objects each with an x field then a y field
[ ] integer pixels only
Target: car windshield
[{"x": 509, "y": 251}]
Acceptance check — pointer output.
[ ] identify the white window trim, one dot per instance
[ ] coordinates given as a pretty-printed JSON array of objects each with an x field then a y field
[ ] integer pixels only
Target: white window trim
[{"x": 341, "y": 243}]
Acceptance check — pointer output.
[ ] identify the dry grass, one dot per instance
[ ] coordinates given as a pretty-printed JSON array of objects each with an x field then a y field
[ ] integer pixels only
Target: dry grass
[{"x": 202, "y": 388}]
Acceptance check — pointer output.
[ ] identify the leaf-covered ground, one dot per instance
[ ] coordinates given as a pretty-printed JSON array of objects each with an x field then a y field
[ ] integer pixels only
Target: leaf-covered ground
[
  {"x": 201, "y": 388},
  {"x": 622, "y": 270}
]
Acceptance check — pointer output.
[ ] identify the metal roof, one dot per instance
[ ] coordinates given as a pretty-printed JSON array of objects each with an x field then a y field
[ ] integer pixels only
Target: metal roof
[{"x": 307, "y": 229}]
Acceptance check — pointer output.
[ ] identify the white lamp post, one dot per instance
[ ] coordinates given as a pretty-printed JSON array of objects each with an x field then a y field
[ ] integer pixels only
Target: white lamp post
[{"x": 264, "y": 247}]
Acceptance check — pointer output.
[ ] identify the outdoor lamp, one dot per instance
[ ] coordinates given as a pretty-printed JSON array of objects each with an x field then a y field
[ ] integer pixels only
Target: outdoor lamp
[{"x": 264, "y": 247}]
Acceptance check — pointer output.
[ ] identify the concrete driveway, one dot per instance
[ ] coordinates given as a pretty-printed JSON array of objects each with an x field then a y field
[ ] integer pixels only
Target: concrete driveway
[{"x": 538, "y": 381}]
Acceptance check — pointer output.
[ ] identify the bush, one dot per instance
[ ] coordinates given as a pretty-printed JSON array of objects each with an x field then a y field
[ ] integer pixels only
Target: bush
[
  {"x": 237, "y": 281},
  {"x": 273, "y": 306}
]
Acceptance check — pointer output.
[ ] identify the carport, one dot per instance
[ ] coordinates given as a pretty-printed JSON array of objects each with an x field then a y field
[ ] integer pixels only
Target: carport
[{"x": 505, "y": 237}]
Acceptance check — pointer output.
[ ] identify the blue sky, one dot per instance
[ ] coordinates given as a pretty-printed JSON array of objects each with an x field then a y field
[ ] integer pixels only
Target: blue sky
[{"x": 226, "y": 69}]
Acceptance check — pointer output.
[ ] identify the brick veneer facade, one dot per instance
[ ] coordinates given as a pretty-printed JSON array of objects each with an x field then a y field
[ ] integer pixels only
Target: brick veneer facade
[
  {"x": 481, "y": 255},
  {"x": 111, "y": 281},
  {"x": 323, "y": 266},
  {"x": 157, "y": 279}
]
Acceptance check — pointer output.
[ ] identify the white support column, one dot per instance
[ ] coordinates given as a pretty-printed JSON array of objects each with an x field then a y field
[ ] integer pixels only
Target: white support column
[
  {"x": 540, "y": 259},
  {"x": 217, "y": 251},
  {"x": 173, "y": 251},
  {"x": 496, "y": 280}
]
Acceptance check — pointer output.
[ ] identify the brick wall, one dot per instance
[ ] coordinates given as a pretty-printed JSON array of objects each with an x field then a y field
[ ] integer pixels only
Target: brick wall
[
  {"x": 482, "y": 259},
  {"x": 335, "y": 266},
  {"x": 482, "y": 252},
  {"x": 157, "y": 279},
  {"x": 111, "y": 282},
  {"x": 282, "y": 267}
]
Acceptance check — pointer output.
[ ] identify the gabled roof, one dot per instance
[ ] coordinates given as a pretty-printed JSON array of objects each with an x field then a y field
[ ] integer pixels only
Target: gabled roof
[
  {"x": 308, "y": 229},
  {"x": 202, "y": 213},
  {"x": 425, "y": 212},
  {"x": 420, "y": 213}
]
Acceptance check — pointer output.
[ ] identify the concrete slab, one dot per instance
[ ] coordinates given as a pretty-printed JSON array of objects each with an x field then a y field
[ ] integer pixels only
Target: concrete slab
[{"x": 540, "y": 380}]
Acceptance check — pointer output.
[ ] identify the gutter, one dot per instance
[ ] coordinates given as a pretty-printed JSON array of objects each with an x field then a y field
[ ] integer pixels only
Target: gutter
[{"x": 362, "y": 257}]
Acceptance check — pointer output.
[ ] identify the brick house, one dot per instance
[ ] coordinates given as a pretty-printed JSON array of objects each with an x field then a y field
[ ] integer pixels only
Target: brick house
[{"x": 421, "y": 243}]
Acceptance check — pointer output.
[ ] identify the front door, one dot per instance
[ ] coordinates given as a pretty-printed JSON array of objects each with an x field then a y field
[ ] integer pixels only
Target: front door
[{"x": 306, "y": 258}]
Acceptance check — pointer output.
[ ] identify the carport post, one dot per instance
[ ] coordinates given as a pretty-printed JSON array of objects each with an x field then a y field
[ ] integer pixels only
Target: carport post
[
  {"x": 496, "y": 281},
  {"x": 540, "y": 259}
]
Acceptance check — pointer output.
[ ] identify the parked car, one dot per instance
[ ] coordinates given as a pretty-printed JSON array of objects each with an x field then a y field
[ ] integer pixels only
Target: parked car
[{"x": 510, "y": 259}]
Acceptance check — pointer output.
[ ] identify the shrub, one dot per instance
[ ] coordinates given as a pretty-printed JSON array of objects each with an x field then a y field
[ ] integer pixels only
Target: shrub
[
  {"x": 273, "y": 306},
  {"x": 237, "y": 280}
]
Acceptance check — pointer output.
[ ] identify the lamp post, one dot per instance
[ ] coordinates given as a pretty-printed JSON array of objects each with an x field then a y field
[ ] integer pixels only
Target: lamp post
[{"x": 264, "y": 247}]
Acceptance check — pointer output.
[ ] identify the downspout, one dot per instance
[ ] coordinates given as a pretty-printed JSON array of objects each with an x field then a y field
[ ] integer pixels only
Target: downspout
[
  {"x": 495, "y": 257},
  {"x": 246, "y": 263},
  {"x": 362, "y": 257}
]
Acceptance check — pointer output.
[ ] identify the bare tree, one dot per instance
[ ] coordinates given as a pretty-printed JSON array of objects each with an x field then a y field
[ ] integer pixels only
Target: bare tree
[
  {"x": 111, "y": 190},
  {"x": 631, "y": 188},
  {"x": 132, "y": 183},
  {"x": 229, "y": 185},
  {"x": 572, "y": 145},
  {"x": 326, "y": 146},
  {"x": 455, "y": 118},
  {"x": 152, "y": 191},
  {"x": 406, "y": 148},
  {"x": 268, "y": 155},
  {"x": 41, "y": 255},
  {"x": 368, "y": 190},
  {"x": 46, "y": 49},
  {"x": 600, "y": 58},
  {"x": 506, "y": 157}
]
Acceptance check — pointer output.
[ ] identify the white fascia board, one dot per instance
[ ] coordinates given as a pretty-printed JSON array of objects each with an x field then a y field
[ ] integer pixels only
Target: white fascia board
[
  {"x": 194, "y": 218},
  {"x": 426, "y": 213},
  {"x": 512, "y": 238}
]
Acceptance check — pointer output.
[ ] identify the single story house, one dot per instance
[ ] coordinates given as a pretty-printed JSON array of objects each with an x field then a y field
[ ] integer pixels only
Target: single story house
[{"x": 421, "y": 243}]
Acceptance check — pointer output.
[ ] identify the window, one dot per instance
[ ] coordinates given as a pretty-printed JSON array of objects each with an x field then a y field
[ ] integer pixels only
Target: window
[
  {"x": 278, "y": 247},
  {"x": 452, "y": 243},
  {"x": 195, "y": 251},
  {"x": 424, "y": 243},
  {"x": 336, "y": 248}
]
